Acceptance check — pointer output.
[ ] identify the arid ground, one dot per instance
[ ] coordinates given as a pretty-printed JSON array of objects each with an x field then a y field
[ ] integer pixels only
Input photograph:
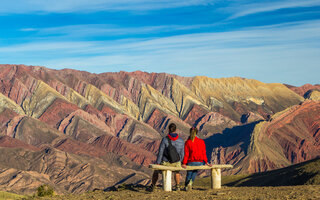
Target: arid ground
[{"x": 282, "y": 192}]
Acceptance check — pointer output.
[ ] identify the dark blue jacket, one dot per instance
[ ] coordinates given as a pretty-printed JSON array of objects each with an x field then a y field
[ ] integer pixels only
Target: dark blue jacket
[{"x": 179, "y": 144}]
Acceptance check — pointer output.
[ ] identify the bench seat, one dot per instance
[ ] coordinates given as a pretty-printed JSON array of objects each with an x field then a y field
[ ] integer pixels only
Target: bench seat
[{"x": 167, "y": 172}]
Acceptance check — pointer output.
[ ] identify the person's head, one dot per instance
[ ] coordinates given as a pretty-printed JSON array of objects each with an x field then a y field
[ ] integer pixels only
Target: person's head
[
  {"x": 172, "y": 128},
  {"x": 193, "y": 133}
]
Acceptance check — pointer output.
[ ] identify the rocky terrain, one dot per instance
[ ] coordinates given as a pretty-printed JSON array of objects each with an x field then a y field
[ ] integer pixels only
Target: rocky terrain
[
  {"x": 226, "y": 193},
  {"x": 79, "y": 131}
]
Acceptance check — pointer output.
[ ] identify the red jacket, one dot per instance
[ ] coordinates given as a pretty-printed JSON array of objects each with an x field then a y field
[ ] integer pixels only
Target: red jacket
[{"x": 195, "y": 151}]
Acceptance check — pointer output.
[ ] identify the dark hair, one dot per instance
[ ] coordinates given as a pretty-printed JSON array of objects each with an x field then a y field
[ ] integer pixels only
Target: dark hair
[{"x": 172, "y": 128}]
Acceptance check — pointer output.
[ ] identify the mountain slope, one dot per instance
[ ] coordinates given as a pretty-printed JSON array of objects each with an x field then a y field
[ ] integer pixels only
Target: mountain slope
[
  {"x": 23, "y": 171},
  {"x": 303, "y": 90},
  {"x": 291, "y": 136},
  {"x": 87, "y": 117},
  {"x": 306, "y": 173}
]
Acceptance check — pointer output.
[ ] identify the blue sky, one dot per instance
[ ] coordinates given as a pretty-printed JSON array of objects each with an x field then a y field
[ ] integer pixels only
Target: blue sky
[{"x": 271, "y": 41}]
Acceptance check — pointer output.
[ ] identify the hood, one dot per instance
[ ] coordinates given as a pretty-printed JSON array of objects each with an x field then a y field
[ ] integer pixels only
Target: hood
[{"x": 173, "y": 136}]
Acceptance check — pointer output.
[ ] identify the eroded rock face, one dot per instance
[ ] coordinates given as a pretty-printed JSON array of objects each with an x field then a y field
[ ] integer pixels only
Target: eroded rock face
[
  {"x": 313, "y": 95},
  {"x": 35, "y": 132},
  {"x": 23, "y": 182},
  {"x": 137, "y": 94},
  {"x": 235, "y": 96},
  {"x": 213, "y": 123},
  {"x": 66, "y": 172},
  {"x": 304, "y": 89},
  {"x": 79, "y": 148},
  {"x": 7, "y": 119},
  {"x": 74, "y": 125},
  {"x": 160, "y": 121},
  {"x": 195, "y": 114},
  {"x": 9, "y": 142},
  {"x": 290, "y": 136},
  {"x": 251, "y": 117},
  {"x": 56, "y": 112},
  {"x": 120, "y": 147},
  {"x": 302, "y": 124}
]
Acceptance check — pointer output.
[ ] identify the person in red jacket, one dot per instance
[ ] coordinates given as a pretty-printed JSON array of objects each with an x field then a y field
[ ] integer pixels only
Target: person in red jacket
[{"x": 194, "y": 155}]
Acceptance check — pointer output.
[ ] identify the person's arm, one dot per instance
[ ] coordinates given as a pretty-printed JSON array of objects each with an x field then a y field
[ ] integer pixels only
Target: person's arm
[
  {"x": 186, "y": 153},
  {"x": 204, "y": 153},
  {"x": 161, "y": 150},
  {"x": 181, "y": 153}
]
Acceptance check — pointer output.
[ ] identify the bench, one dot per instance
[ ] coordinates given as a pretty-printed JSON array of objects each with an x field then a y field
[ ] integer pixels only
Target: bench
[{"x": 167, "y": 172}]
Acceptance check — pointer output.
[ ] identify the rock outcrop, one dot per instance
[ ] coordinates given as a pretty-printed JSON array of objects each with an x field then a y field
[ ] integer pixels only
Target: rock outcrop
[{"x": 313, "y": 95}]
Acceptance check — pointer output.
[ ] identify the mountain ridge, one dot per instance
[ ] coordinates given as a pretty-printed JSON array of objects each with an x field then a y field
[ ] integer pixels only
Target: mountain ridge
[{"x": 244, "y": 122}]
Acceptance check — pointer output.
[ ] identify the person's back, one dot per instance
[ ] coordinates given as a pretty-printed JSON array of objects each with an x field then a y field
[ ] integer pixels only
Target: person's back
[
  {"x": 163, "y": 159},
  {"x": 177, "y": 142},
  {"x": 194, "y": 155},
  {"x": 195, "y": 151}
]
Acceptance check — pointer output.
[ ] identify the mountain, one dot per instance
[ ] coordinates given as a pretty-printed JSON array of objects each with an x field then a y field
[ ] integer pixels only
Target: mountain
[
  {"x": 23, "y": 170},
  {"x": 305, "y": 89},
  {"x": 114, "y": 122},
  {"x": 288, "y": 137}
]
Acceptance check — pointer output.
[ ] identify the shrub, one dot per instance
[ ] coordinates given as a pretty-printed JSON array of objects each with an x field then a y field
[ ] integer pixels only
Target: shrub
[{"x": 45, "y": 190}]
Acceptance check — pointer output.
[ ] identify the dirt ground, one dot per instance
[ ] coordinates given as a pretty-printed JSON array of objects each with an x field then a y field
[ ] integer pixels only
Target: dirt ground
[{"x": 254, "y": 193}]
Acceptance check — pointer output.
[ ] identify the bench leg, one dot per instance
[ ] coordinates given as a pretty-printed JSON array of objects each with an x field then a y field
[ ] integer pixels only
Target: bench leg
[
  {"x": 215, "y": 178},
  {"x": 166, "y": 178}
]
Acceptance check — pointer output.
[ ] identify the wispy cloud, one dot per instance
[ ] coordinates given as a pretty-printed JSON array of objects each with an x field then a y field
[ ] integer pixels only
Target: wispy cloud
[
  {"x": 46, "y": 47},
  {"x": 241, "y": 8},
  {"x": 91, "y": 30},
  {"x": 234, "y": 8},
  {"x": 190, "y": 37},
  {"x": 288, "y": 33},
  {"x": 28, "y": 29},
  {"x": 263, "y": 53},
  {"x": 65, "y": 6}
]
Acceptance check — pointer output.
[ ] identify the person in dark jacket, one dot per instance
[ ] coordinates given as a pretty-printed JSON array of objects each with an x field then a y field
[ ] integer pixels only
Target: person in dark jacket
[
  {"x": 178, "y": 143},
  {"x": 194, "y": 155}
]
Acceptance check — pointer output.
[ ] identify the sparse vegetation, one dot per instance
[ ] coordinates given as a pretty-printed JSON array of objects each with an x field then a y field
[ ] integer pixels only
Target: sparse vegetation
[
  {"x": 8, "y": 196},
  {"x": 45, "y": 190}
]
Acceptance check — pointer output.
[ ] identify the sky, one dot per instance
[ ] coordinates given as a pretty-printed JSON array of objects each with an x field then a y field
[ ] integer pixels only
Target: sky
[{"x": 273, "y": 41}]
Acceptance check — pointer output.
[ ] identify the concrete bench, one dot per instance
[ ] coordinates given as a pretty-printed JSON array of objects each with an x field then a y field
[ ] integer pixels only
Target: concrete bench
[{"x": 167, "y": 172}]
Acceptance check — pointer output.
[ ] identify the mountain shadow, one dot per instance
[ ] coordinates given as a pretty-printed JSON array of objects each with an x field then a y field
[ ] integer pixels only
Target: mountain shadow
[
  {"x": 306, "y": 173},
  {"x": 230, "y": 137}
]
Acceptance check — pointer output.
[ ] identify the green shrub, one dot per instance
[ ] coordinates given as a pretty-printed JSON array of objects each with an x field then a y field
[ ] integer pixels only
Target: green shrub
[{"x": 45, "y": 190}]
